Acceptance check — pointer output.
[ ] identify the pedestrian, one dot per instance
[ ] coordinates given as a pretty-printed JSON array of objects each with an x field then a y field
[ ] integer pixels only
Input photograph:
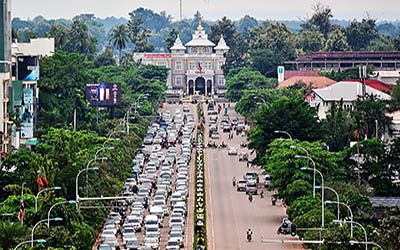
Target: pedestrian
[{"x": 248, "y": 164}]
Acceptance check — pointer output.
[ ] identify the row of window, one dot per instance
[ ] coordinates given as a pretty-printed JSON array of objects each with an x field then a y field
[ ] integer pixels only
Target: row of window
[
  {"x": 195, "y": 65},
  {"x": 200, "y": 50},
  {"x": 179, "y": 81}
]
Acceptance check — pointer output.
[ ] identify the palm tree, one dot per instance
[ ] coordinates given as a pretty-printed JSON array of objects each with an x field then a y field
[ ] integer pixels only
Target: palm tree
[
  {"x": 11, "y": 233},
  {"x": 119, "y": 38}
]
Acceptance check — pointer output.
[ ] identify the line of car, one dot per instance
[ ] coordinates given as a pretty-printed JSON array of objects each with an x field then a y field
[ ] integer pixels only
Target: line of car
[{"x": 159, "y": 185}]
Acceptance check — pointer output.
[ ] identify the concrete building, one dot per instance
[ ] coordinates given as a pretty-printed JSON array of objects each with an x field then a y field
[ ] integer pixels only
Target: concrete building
[
  {"x": 388, "y": 77},
  {"x": 340, "y": 60},
  {"x": 37, "y": 46},
  {"x": 195, "y": 68},
  {"x": 5, "y": 72},
  {"x": 346, "y": 92}
]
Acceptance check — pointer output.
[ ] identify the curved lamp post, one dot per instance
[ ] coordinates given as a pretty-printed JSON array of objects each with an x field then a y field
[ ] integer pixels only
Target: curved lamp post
[
  {"x": 57, "y": 204},
  {"x": 351, "y": 214},
  {"x": 29, "y": 241},
  {"x": 365, "y": 231},
  {"x": 41, "y": 221},
  {"x": 77, "y": 183},
  {"x": 87, "y": 167},
  {"x": 337, "y": 199},
  {"x": 322, "y": 192},
  {"x": 41, "y": 191},
  {"x": 283, "y": 132}
]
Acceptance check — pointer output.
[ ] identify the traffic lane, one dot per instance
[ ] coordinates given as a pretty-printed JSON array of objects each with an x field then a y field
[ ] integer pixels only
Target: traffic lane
[{"x": 260, "y": 215}]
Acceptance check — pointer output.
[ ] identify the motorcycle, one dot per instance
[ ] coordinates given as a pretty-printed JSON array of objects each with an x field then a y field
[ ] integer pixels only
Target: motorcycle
[
  {"x": 273, "y": 201},
  {"x": 249, "y": 237},
  {"x": 234, "y": 183},
  {"x": 250, "y": 198},
  {"x": 262, "y": 194}
]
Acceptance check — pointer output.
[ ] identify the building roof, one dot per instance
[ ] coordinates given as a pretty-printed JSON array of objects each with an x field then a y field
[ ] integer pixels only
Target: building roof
[
  {"x": 200, "y": 38},
  {"x": 347, "y": 91},
  {"x": 222, "y": 44},
  {"x": 291, "y": 73},
  {"x": 388, "y": 73},
  {"x": 178, "y": 45},
  {"x": 350, "y": 55},
  {"x": 377, "y": 201},
  {"x": 316, "y": 82},
  {"x": 378, "y": 85}
]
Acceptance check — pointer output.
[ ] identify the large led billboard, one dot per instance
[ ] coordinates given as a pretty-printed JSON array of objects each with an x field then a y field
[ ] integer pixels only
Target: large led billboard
[
  {"x": 103, "y": 94},
  {"x": 28, "y": 68}
]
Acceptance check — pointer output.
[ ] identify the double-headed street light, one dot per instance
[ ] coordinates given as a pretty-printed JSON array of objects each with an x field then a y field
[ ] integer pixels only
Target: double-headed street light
[
  {"x": 77, "y": 182},
  {"x": 283, "y": 132},
  {"x": 350, "y": 212},
  {"x": 322, "y": 192},
  {"x": 308, "y": 158},
  {"x": 28, "y": 242},
  {"x": 41, "y": 221},
  {"x": 57, "y": 204},
  {"x": 358, "y": 224},
  {"x": 87, "y": 167},
  {"x": 41, "y": 191}
]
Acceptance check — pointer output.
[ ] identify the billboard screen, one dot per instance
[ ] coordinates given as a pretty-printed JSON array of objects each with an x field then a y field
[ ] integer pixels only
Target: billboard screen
[
  {"x": 26, "y": 113},
  {"x": 28, "y": 68},
  {"x": 103, "y": 94}
]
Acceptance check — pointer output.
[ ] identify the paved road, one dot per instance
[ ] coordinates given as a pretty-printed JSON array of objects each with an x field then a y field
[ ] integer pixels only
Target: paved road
[{"x": 229, "y": 212}]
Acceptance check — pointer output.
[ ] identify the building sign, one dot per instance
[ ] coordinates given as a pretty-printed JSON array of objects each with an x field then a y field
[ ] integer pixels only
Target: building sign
[
  {"x": 281, "y": 73},
  {"x": 157, "y": 55},
  {"x": 26, "y": 113},
  {"x": 27, "y": 68},
  {"x": 103, "y": 94}
]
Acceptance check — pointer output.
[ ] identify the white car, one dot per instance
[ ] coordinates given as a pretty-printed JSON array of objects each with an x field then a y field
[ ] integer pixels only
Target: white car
[
  {"x": 173, "y": 244},
  {"x": 177, "y": 237},
  {"x": 153, "y": 243},
  {"x": 232, "y": 151}
]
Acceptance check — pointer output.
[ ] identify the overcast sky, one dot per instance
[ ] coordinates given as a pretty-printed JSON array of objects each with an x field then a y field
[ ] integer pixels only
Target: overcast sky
[{"x": 210, "y": 9}]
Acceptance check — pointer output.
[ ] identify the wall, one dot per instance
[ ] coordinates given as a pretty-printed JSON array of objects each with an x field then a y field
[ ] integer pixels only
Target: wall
[{"x": 39, "y": 46}]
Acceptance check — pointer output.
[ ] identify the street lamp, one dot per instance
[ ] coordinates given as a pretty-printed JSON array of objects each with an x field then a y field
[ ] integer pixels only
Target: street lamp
[
  {"x": 358, "y": 224},
  {"x": 41, "y": 221},
  {"x": 348, "y": 208},
  {"x": 41, "y": 191},
  {"x": 283, "y": 132},
  {"x": 322, "y": 192},
  {"x": 77, "y": 182},
  {"x": 28, "y": 241},
  {"x": 337, "y": 198},
  {"x": 87, "y": 167},
  {"x": 308, "y": 158},
  {"x": 58, "y": 203}
]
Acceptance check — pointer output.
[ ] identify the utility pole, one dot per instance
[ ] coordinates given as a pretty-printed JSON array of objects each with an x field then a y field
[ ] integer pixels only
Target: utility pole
[
  {"x": 362, "y": 71},
  {"x": 180, "y": 10},
  {"x": 74, "y": 119}
]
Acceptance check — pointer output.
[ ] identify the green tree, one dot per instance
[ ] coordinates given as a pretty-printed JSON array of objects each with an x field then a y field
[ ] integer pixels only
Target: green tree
[
  {"x": 387, "y": 235},
  {"x": 60, "y": 34},
  {"x": 293, "y": 115},
  {"x": 395, "y": 101},
  {"x": 11, "y": 233},
  {"x": 246, "y": 79},
  {"x": 105, "y": 59},
  {"x": 119, "y": 38},
  {"x": 79, "y": 39},
  {"x": 266, "y": 61},
  {"x": 139, "y": 36},
  {"x": 310, "y": 41},
  {"x": 396, "y": 43},
  {"x": 337, "y": 41},
  {"x": 338, "y": 127},
  {"x": 170, "y": 38},
  {"x": 380, "y": 44},
  {"x": 320, "y": 20},
  {"x": 245, "y": 23},
  {"x": 223, "y": 27},
  {"x": 360, "y": 34}
]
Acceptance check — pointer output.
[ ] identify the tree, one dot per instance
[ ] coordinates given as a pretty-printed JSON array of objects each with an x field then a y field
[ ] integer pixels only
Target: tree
[
  {"x": 60, "y": 34},
  {"x": 337, "y": 41},
  {"x": 11, "y": 233},
  {"x": 293, "y": 115},
  {"x": 380, "y": 44},
  {"x": 170, "y": 38},
  {"x": 266, "y": 61},
  {"x": 246, "y": 23},
  {"x": 119, "y": 38},
  {"x": 223, "y": 27},
  {"x": 395, "y": 101},
  {"x": 396, "y": 43},
  {"x": 320, "y": 20},
  {"x": 360, "y": 34},
  {"x": 387, "y": 235},
  {"x": 246, "y": 79},
  {"x": 105, "y": 59},
  {"x": 310, "y": 41},
  {"x": 338, "y": 127},
  {"x": 139, "y": 36},
  {"x": 79, "y": 39}
]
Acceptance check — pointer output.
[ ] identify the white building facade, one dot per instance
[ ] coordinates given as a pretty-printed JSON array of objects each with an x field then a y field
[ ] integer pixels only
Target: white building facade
[{"x": 195, "y": 68}]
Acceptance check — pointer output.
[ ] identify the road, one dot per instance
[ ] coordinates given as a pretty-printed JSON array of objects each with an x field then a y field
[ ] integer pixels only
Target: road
[{"x": 229, "y": 213}]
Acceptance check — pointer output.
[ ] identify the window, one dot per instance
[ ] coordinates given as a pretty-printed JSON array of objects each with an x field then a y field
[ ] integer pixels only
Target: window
[
  {"x": 192, "y": 66},
  {"x": 178, "y": 65},
  {"x": 193, "y": 50},
  {"x": 221, "y": 82},
  {"x": 220, "y": 65},
  {"x": 161, "y": 63},
  {"x": 178, "y": 80}
]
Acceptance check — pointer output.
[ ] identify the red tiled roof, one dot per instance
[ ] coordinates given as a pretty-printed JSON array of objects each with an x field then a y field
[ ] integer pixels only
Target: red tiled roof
[
  {"x": 378, "y": 85},
  {"x": 317, "y": 82},
  {"x": 291, "y": 73}
]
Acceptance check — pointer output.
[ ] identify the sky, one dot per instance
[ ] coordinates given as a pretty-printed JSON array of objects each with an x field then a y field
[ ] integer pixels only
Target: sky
[{"x": 210, "y": 9}]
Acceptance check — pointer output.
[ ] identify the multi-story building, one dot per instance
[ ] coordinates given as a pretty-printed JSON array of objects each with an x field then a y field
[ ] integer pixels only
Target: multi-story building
[
  {"x": 5, "y": 71},
  {"x": 195, "y": 68}
]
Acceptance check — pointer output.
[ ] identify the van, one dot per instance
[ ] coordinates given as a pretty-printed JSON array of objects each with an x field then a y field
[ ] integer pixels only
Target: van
[
  {"x": 267, "y": 180},
  {"x": 251, "y": 186}
]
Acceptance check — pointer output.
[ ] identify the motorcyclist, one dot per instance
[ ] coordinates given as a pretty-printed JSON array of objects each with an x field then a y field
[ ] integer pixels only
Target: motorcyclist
[
  {"x": 262, "y": 193},
  {"x": 234, "y": 181},
  {"x": 249, "y": 234},
  {"x": 250, "y": 197}
]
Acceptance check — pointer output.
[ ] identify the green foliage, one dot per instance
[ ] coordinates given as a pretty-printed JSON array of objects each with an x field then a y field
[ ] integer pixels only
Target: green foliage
[
  {"x": 338, "y": 127},
  {"x": 170, "y": 38},
  {"x": 139, "y": 36},
  {"x": 320, "y": 20},
  {"x": 11, "y": 233},
  {"x": 266, "y": 61},
  {"x": 226, "y": 28},
  {"x": 295, "y": 190},
  {"x": 119, "y": 38},
  {"x": 310, "y": 41},
  {"x": 360, "y": 34},
  {"x": 79, "y": 39},
  {"x": 395, "y": 101},
  {"x": 380, "y": 44},
  {"x": 292, "y": 114},
  {"x": 337, "y": 41},
  {"x": 350, "y": 73},
  {"x": 246, "y": 79},
  {"x": 105, "y": 59},
  {"x": 388, "y": 233}
]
